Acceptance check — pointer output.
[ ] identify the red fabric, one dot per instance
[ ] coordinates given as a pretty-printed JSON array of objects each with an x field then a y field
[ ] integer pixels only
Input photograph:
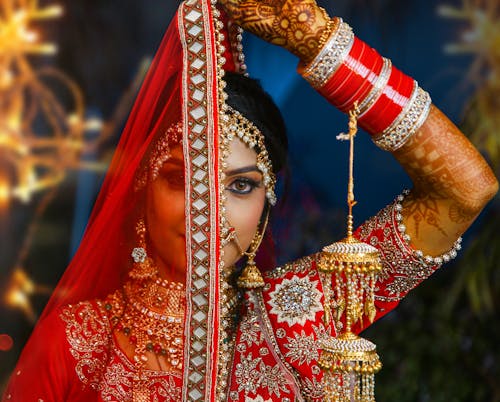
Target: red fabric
[
  {"x": 80, "y": 361},
  {"x": 103, "y": 257},
  {"x": 72, "y": 352},
  {"x": 104, "y": 253},
  {"x": 181, "y": 86},
  {"x": 277, "y": 349}
]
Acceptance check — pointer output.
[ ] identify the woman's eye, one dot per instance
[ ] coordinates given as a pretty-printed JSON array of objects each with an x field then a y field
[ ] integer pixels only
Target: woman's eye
[
  {"x": 243, "y": 185},
  {"x": 174, "y": 178}
]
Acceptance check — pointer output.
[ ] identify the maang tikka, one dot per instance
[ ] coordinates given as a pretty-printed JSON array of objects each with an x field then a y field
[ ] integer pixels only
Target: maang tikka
[
  {"x": 143, "y": 267},
  {"x": 251, "y": 277}
]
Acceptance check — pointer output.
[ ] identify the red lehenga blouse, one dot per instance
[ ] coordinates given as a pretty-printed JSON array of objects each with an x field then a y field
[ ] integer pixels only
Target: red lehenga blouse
[{"x": 73, "y": 356}]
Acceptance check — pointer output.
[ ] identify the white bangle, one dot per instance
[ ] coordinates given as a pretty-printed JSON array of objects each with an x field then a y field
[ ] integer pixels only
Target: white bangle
[
  {"x": 407, "y": 123},
  {"x": 331, "y": 56}
]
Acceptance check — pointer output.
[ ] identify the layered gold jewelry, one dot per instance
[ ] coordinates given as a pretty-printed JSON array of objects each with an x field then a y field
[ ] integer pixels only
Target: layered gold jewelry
[
  {"x": 350, "y": 268},
  {"x": 150, "y": 313},
  {"x": 149, "y": 310}
]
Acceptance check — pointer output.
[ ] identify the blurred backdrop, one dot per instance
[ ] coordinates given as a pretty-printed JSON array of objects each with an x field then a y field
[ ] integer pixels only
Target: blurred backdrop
[{"x": 68, "y": 75}]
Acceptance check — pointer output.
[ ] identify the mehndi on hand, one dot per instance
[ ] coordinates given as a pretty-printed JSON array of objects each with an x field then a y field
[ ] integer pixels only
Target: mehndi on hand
[{"x": 296, "y": 25}]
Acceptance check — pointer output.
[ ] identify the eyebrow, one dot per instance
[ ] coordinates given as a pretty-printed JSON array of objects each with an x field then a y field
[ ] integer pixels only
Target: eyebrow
[{"x": 245, "y": 169}]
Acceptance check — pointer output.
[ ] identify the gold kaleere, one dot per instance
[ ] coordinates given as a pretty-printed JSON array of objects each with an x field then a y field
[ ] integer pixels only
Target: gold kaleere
[{"x": 349, "y": 361}]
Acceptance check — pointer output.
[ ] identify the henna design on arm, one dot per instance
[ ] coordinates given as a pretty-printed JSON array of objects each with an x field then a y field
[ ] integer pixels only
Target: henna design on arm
[{"x": 452, "y": 183}]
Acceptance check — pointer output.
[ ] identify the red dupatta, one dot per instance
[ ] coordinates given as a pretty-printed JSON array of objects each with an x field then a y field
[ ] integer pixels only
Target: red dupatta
[{"x": 182, "y": 84}]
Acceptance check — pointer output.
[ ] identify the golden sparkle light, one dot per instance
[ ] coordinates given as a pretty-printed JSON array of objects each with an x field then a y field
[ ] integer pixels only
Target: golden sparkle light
[
  {"x": 19, "y": 291},
  {"x": 40, "y": 137}
]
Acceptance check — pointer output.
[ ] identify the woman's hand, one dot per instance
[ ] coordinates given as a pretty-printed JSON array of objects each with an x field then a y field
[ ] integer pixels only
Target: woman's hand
[{"x": 296, "y": 25}]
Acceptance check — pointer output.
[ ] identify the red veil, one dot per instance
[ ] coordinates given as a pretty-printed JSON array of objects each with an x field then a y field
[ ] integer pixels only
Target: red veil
[{"x": 182, "y": 85}]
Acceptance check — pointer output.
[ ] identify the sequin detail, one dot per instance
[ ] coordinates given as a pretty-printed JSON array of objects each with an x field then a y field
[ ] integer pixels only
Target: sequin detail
[
  {"x": 296, "y": 300},
  {"x": 102, "y": 365},
  {"x": 401, "y": 270}
]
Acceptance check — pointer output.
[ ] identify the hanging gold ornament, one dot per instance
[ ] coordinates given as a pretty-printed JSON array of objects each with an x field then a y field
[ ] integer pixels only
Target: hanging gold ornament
[
  {"x": 349, "y": 361},
  {"x": 251, "y": 277}
]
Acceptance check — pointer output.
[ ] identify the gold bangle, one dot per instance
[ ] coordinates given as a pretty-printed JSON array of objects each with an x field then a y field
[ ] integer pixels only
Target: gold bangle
[{"x": 328, "y": 29}]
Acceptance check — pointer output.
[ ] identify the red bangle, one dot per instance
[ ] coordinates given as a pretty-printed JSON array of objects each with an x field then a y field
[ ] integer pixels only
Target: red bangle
[
  {"x": 342, "y": 77},
  {"x": 354, "y": 78},
  {"x": 391, "y": 106},
  {"x": 368, "y": 84}
]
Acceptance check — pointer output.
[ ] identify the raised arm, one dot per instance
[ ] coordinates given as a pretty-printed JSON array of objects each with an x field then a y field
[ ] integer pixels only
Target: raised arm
[{"x": 452, "y": 182}]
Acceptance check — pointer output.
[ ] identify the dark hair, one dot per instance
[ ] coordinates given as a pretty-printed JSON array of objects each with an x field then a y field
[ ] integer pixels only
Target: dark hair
[{"x": 247, "y": 96}]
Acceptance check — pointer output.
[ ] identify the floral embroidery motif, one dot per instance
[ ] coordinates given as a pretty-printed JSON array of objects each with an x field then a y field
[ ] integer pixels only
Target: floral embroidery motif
[
  {"x": 117, "y": 380},
  {"x": 296, "y": 300},
  {"x": 247, "y": 374},
  {"x": 88, "y": 334},
  {"x": 252, "y": 373},
  {"x": 169, "y": 390},
  {"x": 401, "y": 271},
  {"x": 273, "y": 379},
  {"x": 302, "y": 348},
  {"x": 312, "y": 389},
  {"x": 250, "y": 330},
  {"x": 102, "y": 365}
]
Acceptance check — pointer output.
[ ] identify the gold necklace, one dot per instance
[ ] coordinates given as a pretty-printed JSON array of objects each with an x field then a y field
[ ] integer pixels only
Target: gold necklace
[{"x": 150, "y": 313}]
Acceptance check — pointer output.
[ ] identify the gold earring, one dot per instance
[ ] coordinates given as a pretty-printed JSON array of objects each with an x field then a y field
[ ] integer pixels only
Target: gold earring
[
  {"x": 251, "y": 277},
  {"x": 144, "y": 266}
]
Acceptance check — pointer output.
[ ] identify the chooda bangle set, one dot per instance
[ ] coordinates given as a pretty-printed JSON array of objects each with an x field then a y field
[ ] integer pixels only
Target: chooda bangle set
[{"x": 391, "y": 105}]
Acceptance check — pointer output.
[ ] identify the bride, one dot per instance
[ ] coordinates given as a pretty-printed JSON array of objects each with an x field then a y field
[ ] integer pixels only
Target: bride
[{"x": 163, "y": 300}]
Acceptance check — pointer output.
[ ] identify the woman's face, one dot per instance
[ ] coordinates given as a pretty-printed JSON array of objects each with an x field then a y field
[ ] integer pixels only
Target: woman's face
[
  {"x": 245, "y": 198},
  {"x": 165, "y": 209}
]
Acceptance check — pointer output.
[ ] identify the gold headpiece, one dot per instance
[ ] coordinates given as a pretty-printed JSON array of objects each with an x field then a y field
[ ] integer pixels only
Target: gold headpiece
[
  {"x": 348, "y": 360},
  {"x": 235, "y": 124}
]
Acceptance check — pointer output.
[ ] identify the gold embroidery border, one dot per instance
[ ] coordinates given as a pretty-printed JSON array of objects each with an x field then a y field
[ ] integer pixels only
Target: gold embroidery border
[{"x": 200, "y": 152}]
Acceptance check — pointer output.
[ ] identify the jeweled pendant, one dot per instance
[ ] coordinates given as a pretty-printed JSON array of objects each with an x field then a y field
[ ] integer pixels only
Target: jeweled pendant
[{"x": 250, "y": 277}]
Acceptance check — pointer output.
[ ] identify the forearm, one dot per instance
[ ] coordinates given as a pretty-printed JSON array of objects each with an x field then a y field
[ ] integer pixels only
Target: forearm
[{"x": 452, "y": 183}]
